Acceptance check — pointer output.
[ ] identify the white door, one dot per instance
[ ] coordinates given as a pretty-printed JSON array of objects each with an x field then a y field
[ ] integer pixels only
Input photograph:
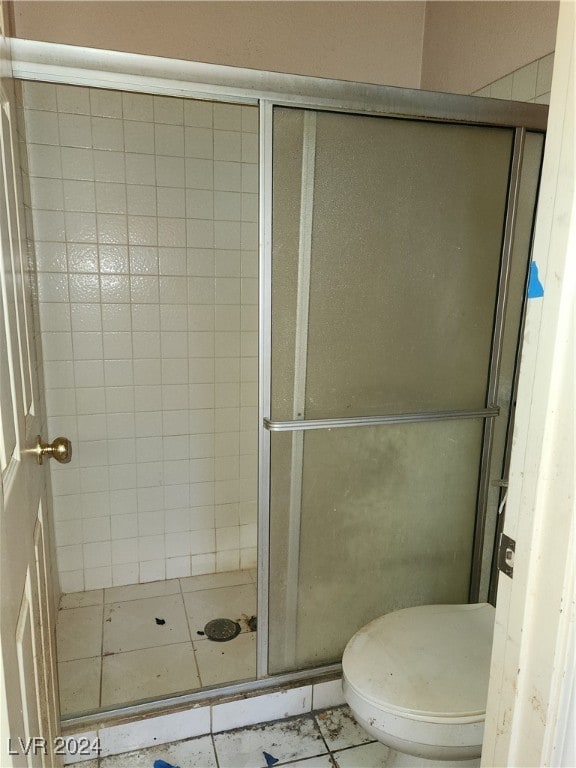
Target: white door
[
  {"x": 28, "y": 686},
  {"x": 528, "y": 720}
]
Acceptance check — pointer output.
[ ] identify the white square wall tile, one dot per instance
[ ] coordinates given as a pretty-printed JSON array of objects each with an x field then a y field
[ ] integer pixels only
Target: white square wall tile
[
  {"x": 73, "y": 99},
  {"x": 139, "y": 137},
  {"x": 105, "y": 103},
  {"x": 168, "y": 109},
  {"x": 544, "y": 78},
  {"x": 524, "y": 82},
  {"x": 39, "y": 96},
  {"x": 41, "y": 127},
  {"x": 44, "y": 160},
  {"x": 502, "y": 88},
  {"x": 75, "y": 130},
  {"x": 107, "y": 133},
  {"x": 228, "y": 117},
  {"x": 137, "y": 106},
  {"x": 260, "y": 709},
  {"x": 198, "y": 113}
]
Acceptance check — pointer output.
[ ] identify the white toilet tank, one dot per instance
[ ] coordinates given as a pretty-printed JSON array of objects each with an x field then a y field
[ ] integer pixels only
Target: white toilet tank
[{"x": 417, "y": 679}]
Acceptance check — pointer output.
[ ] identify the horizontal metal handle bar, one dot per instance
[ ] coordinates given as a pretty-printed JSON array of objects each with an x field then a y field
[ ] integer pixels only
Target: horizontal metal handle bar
[{"x": 374, "y": 421}]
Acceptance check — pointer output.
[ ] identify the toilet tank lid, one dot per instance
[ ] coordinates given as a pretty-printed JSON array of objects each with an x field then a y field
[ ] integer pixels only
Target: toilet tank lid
[{"x": 432, "y": 660}]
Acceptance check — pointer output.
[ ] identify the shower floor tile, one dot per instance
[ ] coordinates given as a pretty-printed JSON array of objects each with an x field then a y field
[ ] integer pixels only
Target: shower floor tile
[
  {"x": 113, "y": 651},
  {"x": 79, "y": 681},
  {"x": 148, "y": 672},
  {"x": 141, "y": 591},
  {"x": 227, "y": 662},
  {"x": 237, "y": 603},
  {"x": 79, "y": 633},
  {"x": 82, "y": 599},
  {"x": 137, "y": 624}
]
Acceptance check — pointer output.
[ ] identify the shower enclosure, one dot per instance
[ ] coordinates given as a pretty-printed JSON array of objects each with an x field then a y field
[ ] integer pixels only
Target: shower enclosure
[{"x": 384, "y": 312}]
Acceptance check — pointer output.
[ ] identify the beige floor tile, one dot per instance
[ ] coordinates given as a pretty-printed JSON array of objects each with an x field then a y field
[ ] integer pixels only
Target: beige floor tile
[
  {"x": 147, "y": 673},
  {"x": 226, "y": 662},
  {"x": 374, "y": 755},
  {"x": 234, "y": 603},
  {"x": 340, "y": 730},
  {"x": 79, "y": 684},
  {"x": 285, "y": 740},
  {"x": 134, "y": 624},
  {"x": 87, "y": 763},
  {"x": 193, "y": 752},
  {"x": 216, "y": 580},
  {"x": 79, "y": 633},
  {"x": 82, "y": 599},
  {"x": 141, "y": 591},
  {"x": 323, "y": 761}
]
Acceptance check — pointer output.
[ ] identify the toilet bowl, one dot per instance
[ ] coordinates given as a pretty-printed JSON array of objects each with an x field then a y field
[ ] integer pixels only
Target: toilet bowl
[{"x": 417, "y": 679}]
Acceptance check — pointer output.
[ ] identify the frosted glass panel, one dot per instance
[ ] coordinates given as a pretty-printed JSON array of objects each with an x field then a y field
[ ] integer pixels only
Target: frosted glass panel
[
  {"x": 406, "y": 234},
  {"x": 387, "y": 521}
]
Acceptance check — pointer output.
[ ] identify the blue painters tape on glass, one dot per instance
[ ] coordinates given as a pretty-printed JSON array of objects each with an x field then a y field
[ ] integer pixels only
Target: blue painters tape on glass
[{"x": 535, "y": 287}]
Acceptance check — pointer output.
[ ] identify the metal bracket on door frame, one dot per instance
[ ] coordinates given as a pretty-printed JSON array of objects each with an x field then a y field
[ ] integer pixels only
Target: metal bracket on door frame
[{"x": 506, "y": 551}]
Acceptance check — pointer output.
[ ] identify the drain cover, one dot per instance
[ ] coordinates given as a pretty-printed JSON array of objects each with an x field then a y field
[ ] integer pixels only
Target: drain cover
[{"x": 222, "y": 630}]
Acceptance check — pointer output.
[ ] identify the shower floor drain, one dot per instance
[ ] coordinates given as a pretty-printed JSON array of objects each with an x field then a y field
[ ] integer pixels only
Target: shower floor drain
[{"x": 222, "y": 630}]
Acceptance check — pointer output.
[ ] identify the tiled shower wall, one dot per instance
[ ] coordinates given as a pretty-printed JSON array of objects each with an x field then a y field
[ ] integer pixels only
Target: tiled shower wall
[
  {"x": 530, "y": 83},
  {"x": 144, "y": 214}
]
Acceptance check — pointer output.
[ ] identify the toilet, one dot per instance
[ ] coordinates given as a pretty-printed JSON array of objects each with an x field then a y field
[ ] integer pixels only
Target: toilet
[{"x": 417, "y": 679}]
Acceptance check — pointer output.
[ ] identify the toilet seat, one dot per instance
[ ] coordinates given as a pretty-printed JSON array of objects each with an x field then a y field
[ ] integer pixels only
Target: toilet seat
[{"x": 417, "y": 678}]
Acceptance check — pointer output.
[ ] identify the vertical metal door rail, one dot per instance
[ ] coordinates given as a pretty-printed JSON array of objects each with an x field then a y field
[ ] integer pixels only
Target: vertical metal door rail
[
  {"x": 495, "y": 359},
  {"x": 264, "y": 376},
  {"x": 299, "y": 396}
]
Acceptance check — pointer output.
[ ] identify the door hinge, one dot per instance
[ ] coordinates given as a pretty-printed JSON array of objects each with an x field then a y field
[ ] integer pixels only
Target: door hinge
[{"x": 506, "y": 551}]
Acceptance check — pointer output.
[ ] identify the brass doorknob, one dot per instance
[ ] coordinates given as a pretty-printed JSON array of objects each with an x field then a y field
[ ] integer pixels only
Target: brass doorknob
[{"x": 60, "y": 449}]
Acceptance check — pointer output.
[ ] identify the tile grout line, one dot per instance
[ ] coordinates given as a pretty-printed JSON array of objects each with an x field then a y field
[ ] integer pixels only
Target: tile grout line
[
  {"x": 102, "y": 651},
  {"x": 197, "y": 665}
]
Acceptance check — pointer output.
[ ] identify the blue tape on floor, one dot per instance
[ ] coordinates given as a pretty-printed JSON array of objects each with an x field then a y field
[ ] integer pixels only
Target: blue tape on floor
[
  {"x": 270, "y": 759},
  {"x": 163, "y": 764},
  {"x": 535, "y": 287}
]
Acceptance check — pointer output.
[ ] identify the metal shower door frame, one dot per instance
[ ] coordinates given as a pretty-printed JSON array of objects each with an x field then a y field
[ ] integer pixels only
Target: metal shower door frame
[{"x": 298, "y": 425}]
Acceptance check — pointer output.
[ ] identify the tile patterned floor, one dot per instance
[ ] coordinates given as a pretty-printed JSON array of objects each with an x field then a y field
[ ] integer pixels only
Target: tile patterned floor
[
  {"x": 327, "y": 739},
  {"x": 126, "y": 644}
]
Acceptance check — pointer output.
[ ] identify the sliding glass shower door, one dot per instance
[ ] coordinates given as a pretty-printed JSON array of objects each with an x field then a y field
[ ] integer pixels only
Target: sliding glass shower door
[{"x": 387, "y": 239}]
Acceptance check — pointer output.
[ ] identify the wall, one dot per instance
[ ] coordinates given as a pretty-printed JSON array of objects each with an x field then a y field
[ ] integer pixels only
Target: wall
[
  {"x": 144, "y": 219},
  {"x": 362, "y": 41},
  {"x": 451, "y": 46},
  {"x": 468, "y": 45}
]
